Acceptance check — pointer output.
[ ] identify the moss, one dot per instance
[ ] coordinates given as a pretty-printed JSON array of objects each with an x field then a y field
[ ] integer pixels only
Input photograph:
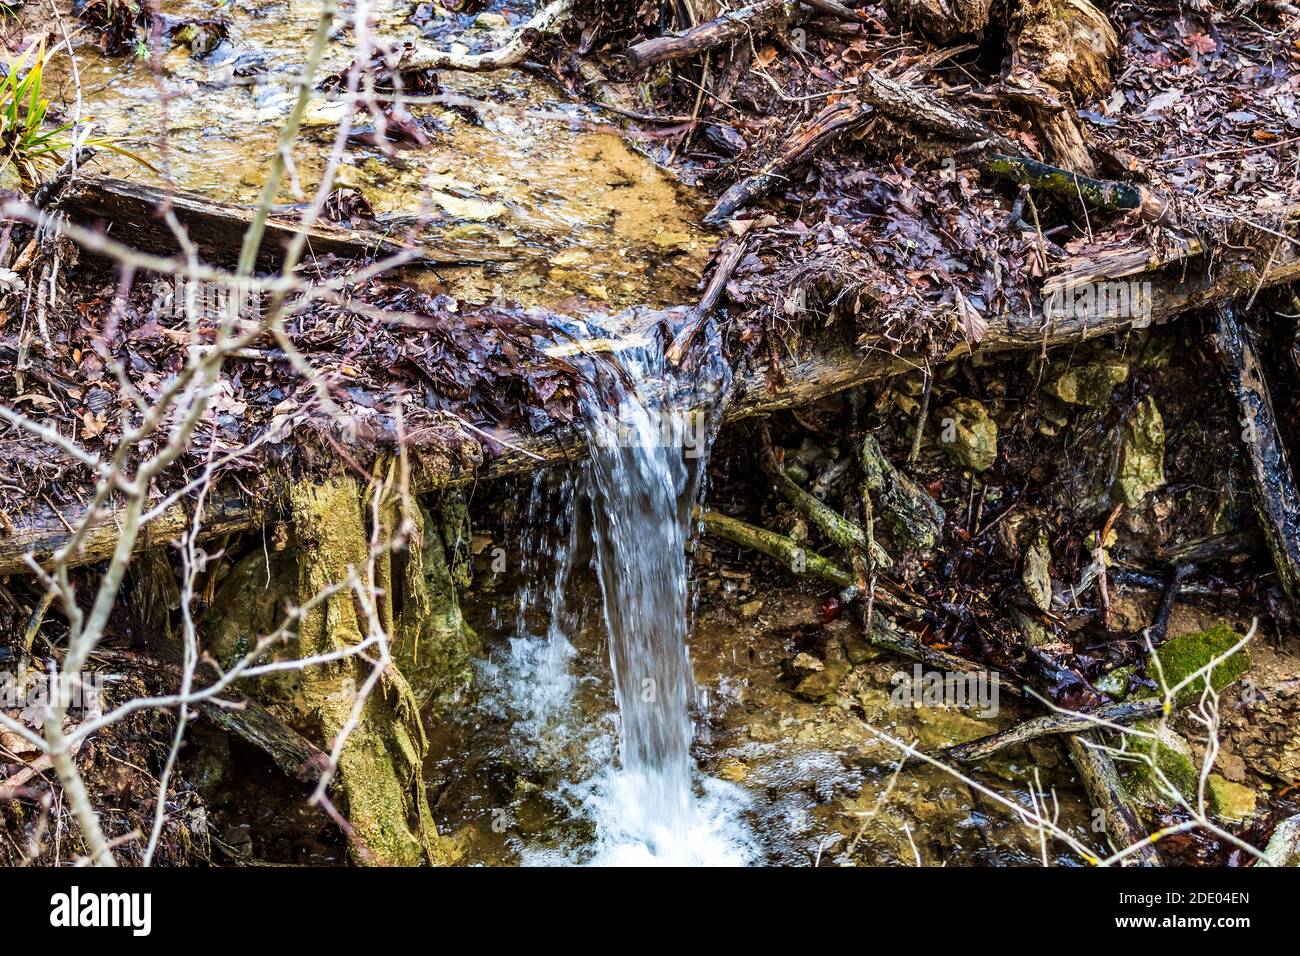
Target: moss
[
  {"x": 1230, "y": 801},
  {"x": 1182, "y": 656},
  {"x": 1171, "y": 754},
  {"x": 431, "y": 641}
]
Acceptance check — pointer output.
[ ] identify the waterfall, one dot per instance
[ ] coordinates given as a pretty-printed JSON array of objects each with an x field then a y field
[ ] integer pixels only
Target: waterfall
[
  {"x": 626, "y": 780},
  {"x": 648, "y": 458}
]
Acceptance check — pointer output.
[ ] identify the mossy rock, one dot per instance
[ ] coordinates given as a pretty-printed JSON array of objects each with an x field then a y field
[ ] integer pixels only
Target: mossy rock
[
  {"x": 1089, "y": 384},
  {"x": 1172, "y": 756},
  {"x": 1230, "y": 801},
  {"x": 1182, "y": 656},
  {"x": 968, "y": 434},
  {"x": 1142, "y": 454}
]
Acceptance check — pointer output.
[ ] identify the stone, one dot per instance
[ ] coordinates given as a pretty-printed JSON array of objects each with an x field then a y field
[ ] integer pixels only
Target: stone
[
  {"x": 750, "y": 608},
  {"x": 1184, "y": 655},
  {"x": 1036, "y": 573},
  {"x": 1230, "y": 801},
  {"x": 733, "y": 770},
  {"x": 822, "y": 683},
  {"x": 1142, "y": 454},
  {"x": 1089, "y": 384},
  {"x": 1172, "y": 756},
  {"x": 491, "y": 21},
  {"x": 1115, "y": 683},
  {"x": 968, "y": 434}
]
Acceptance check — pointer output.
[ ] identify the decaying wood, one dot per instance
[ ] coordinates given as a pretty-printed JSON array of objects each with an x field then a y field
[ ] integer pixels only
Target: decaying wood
[
  {"x": 761, "y": 16},
  {"x": 1105, "y": 194},
  {"x": 926, "y": 111},
  {"x": 1061, "y": 54},
  {"x": 513, "y": 53},
  {"x": 805, "y": 142},
  {"x": 1101, "y": 781},
  {"x": 820, "y": 371},
  {"x": 1050, "y": 724},
  {"x": 944, "y": 19},
  {"x": 218, "y": 229},
  {"x": 728, "y": 258},
  {"x": 1277, "y": 501}
]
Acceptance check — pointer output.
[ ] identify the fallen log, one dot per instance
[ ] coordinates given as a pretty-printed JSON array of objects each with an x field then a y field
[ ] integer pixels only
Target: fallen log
[
  {"x": 1101, "y": 781},
  {"x": 514, "y": 52},
  {"x": 735, "y": 25},
  {"x": 1277, "y": 501},
  {"x": 217, "y": 229},
  {"x": 1049, "y": 725},
  {"x": 1104, "y": 194},
  {"x": 826, "y": 369}
]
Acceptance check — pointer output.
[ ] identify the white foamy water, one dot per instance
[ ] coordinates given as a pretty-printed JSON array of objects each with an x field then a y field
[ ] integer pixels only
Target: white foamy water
[{"x": 636, "y": 782}]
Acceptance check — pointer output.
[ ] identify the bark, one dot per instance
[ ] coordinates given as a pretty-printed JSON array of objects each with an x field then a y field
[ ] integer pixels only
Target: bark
[
  {"x": 218, "y": 229},
  {"x": 1277, "y": 501},
  {"x": 1101, "y": 781},
  {"x": 762, "y": 16}
]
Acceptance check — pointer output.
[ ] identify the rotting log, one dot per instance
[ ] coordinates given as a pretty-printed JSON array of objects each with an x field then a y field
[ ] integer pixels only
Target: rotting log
[
  {"x": 1168, "y": 292},
  {"x": 218, "y": 229},
  {"x": 1050, "y": 724},
  {"x": 1277, "y": 501},
  {"x": 1105, "y": 194},
  {"x": 735, "y": 25},
  {"x": 1101, "y": 781}
]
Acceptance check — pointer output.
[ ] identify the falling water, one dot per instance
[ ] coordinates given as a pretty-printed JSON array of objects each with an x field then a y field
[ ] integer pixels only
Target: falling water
[{"x": 647, "y": 461}]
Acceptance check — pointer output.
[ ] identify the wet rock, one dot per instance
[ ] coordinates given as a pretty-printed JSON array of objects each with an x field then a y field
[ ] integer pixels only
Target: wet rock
[
  {"x": 201, "y": 37},
  {"x": 1036, "y": 573},
  {"x": 1089, "y": 384},
  {"x": 733, "y": 770},
  {"x": 969, "y": 435},
  {"x": 1230, "y": 801},
  {"x": 1142, "y": 454},
  {"x": 822, "y": 677},
  {"x": 1283, "y": 847},
  {"x": 1115, "y": 684},
  {"x": 491, "y": 21},
  {"x": 750, "y": 608}
]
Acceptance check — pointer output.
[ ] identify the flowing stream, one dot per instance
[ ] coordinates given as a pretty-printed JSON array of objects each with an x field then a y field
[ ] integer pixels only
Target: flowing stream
[{"x": 642, "y": 481}]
